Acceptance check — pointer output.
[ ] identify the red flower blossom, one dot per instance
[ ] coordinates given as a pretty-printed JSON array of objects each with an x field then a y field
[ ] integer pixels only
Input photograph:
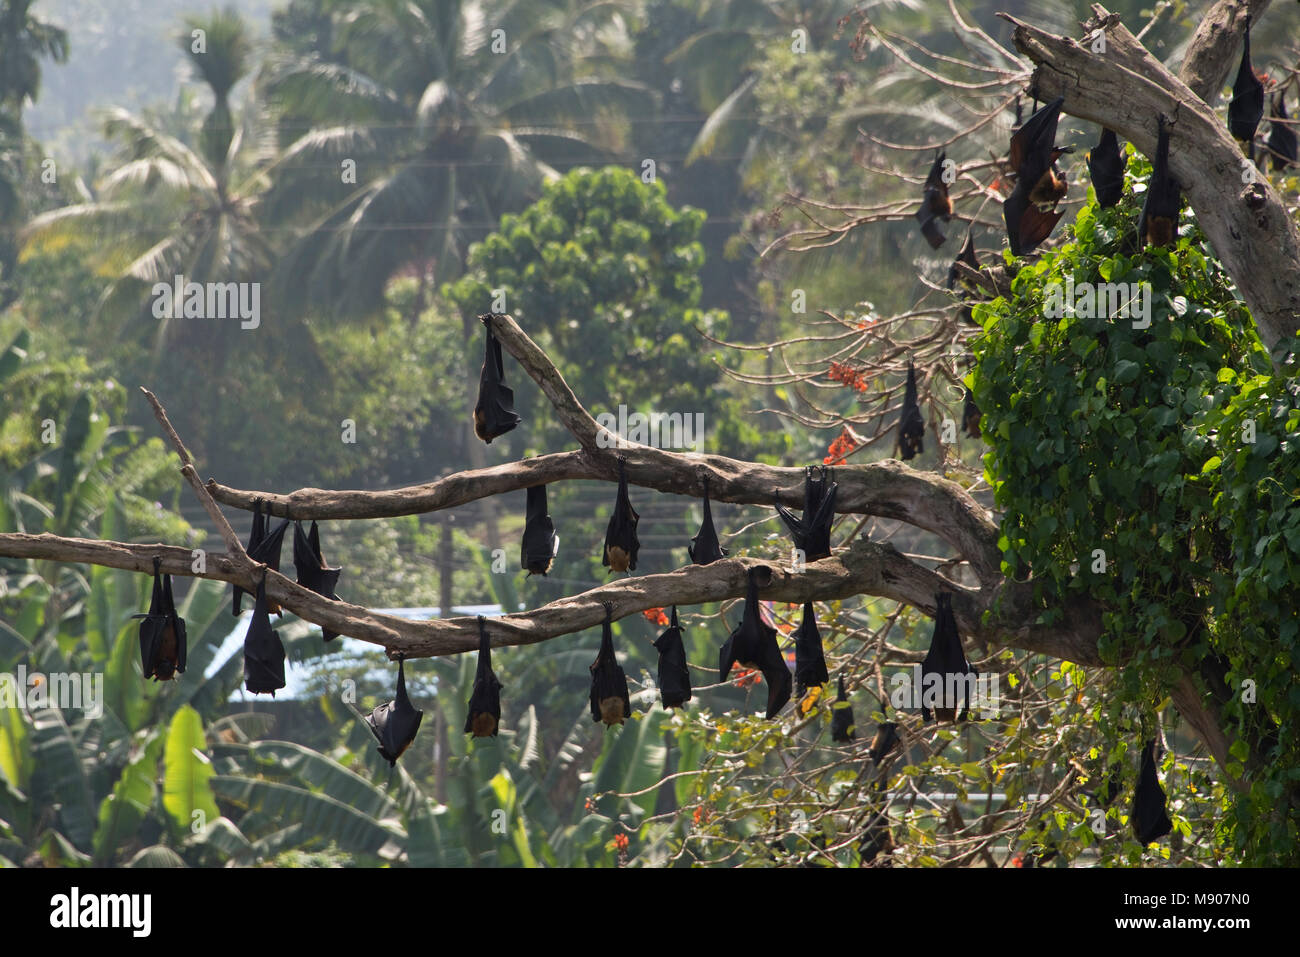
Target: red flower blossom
[
  {"x": 854, "y": 378},
  {"x": 747, "y": 676},
  {"x": 656, "y": 616},
  {"x": 844, "y": 443},
  {"x": 620, "y": 842}
]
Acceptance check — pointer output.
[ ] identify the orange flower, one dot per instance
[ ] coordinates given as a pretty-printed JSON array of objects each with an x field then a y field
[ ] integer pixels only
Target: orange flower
[
  {"x": 656, "y": 616},
  {"x": 839, "y": 372},
  {"x": 620, "y": 841},
  {"x": 844, "y": 443},
  {"x": 701, "y": 815},
  {"x": 747, "y": 676}
]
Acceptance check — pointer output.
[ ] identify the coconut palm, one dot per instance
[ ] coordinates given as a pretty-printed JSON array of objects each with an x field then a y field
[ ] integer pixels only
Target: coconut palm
[{"x": 427, "y": 120}]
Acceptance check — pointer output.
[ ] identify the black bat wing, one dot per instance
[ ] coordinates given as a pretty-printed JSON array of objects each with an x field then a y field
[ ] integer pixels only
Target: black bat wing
[
  {"x": 1106, "y": 169},
  {"x": 539, "y": 542},
  {"x": 1246, "y": 108},
  {"x": 1148, "y": 817},
  {"x": 178, "y": 625},
  {"x": 263, "y": 650},
  {"x": 705, "y": 548},
  {"x": 817, "y": 523},
  {"x": 254, "y": 539},
  {"x": 674, "y": 676},
  {"x": 1281, "y": 138},
  {"x": 607, "y": 677},
  {"x": 809, "y": 655},
  {"x": 911, "y": 426},
  {"x": 966, "y": 257},
  {"x": 843, "y": 728},
  {"x": 945, "y": 657},
  {"x": 494, "y": 412},
  {"x": 1032, "y": 143},
  {"x": 970, "y": 416},
  {"x": 395, "y": 724},
  {"x": 620, "y": 533},
  {"x": 935, "y": 204},
  {"x": 775, "y": 671},
  {"x": 486, "y": 696},
  {"x": 884, "y": 741}
]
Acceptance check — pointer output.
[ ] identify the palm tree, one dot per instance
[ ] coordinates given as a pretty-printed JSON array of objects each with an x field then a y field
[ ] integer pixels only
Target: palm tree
[
  {"x": 427, "y": 120},
  {"x": 170, "y": 207}
]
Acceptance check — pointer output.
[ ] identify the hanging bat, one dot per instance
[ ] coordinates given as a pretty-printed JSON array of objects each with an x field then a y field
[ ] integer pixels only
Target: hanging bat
[
  {"x": 884, "y": 741},
  {"x": 705, "y": 547},
  {"x": 674, "y": 676},
  {"x": 945, "y": 657},
  {"x": 935, "y": 204},
  {"x": 876, "y": 839},
  {"x": 1158, "y": 224},
  {"x": 843, "y": 728},
  {"x": 1247, "y": 106},
  {"x": 968, "y": 258},
  {"x": 394, "y": 724},
  {"x": 1030, "y": 211},
  {"x": 540, "y": 544},
  {"x": 483, "y": 717},
  {"x": 970, "y": 416},
  {"x": 313, "y": 573},
  {"x": 1106, "y": 169},
  {"x": 621, "y": 544},
  {"x": 163, "y": 645},
  {"x": 1148, "y": 817},
  {"x": 911, "y": 427},
  {"x": 254, "y": 540},
  {"x": 1281, "y": 137},
  {"x": 263, "y": 650},
  {"x": 809, "y": 658},
  {"x": 812, "y": 531},
  {"x": 494, "y": 413},
  {"x": 610, "y": 702},
  {"x": 753, "y": 645}
]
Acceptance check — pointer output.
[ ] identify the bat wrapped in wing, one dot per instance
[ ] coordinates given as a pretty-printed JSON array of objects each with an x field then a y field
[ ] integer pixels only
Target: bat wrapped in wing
[
  {"x": 911, "y": 426},
  {"x": 163, "y": 644},
  {"x": 313, "y": 573},
  {"x": 1147, "y": 816},
  {"x": 1158, "y": 224},
  {"x": 483, "y": 717},
  {"x": 812, "y": 530},
  {"x": 674, "y": 676},
  {"x": 264, "y": 546},
  {"x": 945, "y": 667},
  {"x": 753, "y": 645},
  {"x": 395, "y": 723},
  {"x": 970, "y": 416},
  {"x": 540, "y": 544},
  {"x": 705, "y": 547},
  {"x": 610, "y": 701},
  {"x": 809, "y": 659},
  {"x": 966, "y": 257},
  {"x": 883, "y": 741},
  {"x": 1246, "y": 108},
  {"x": 1281, "y": 137},
  {"x": 494, "y": 412},
  {"x": 843, "y": 728},
  {"x": 621, "y": 543},
  {"x": 1106, "y": 169},
  {"x": 263, "y": 650}
]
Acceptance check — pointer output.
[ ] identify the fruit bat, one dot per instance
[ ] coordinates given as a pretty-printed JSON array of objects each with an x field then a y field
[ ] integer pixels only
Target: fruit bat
[
  {"x": 705, "y": 547},
  {"x": 609, "y": 698},
  {"x": 263, "y": 650},
  {"x": 1030, "y": 211},
  {"x": 876, "y": 838},
  {"x": 540, "y": 543},
  {"x": 1158, "y": 224},
  {"x": 911, "y": 427},
  {"x": 1281, "y": 137},
  {"x": 163, "y": 645},
  {"x": 674, "y": 676},
  {"x": 1106, "y": 169},
  {"x": 935, "y": 204},
  {"x": 483, "y": 716},
  {"x": 970, "y": 416},
  {"x": 1148, "y": 817},
  {"x": 809, "y": 659},
  {"x": 494, "y": 413},
  {"x": 842, "y": 726},
  {"x": 1247, "y": 106},
  {"x": 966, "y": 256},
  {"x": 884, "y": 741},
  {"x": 621, "y": 544},
  {"x": 313, "y": 573},
  {"x": 394, "y": 724},
  {"x": 812, "y": 530},
  {"x": 753, "y": 645},
  {"x": 263, "y": 546},
  {"x": 945, "y": 658}
]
